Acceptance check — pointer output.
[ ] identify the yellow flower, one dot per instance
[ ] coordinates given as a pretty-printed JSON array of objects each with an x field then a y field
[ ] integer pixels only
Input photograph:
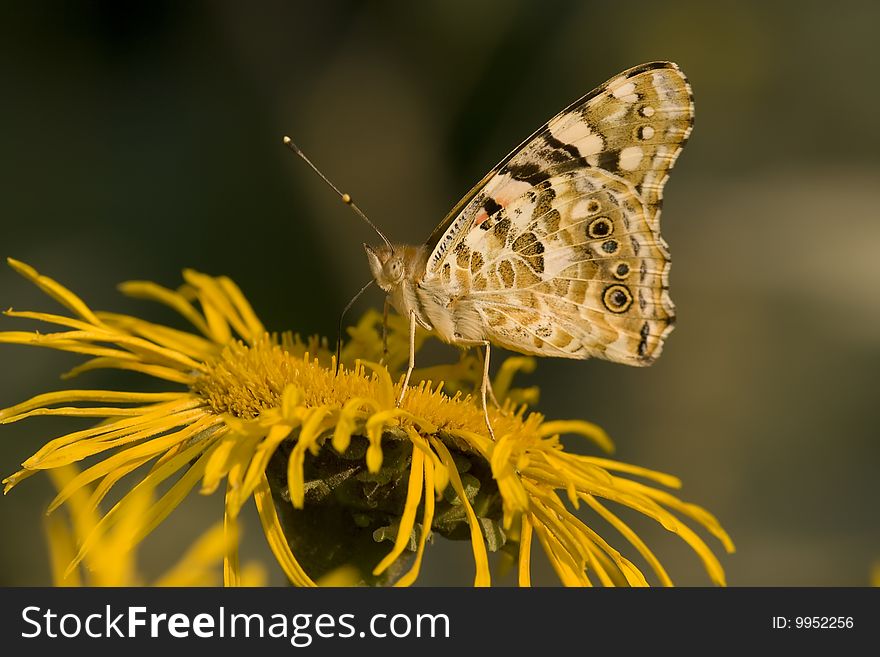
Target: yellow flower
[
  {"x": 112, "y": 561},
  {"x": 334, "y": 466}
]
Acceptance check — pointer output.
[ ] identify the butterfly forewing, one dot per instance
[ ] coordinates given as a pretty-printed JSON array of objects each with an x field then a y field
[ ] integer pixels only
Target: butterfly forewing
[{"x": 559, "y": 250}]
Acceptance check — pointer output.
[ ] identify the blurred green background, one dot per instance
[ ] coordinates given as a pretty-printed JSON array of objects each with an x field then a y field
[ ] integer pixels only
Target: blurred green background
[{"x": 141, "y": 138}]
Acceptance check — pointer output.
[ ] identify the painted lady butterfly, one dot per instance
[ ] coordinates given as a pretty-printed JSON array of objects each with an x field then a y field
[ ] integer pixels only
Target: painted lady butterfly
[{"x": 557, "y": 251}]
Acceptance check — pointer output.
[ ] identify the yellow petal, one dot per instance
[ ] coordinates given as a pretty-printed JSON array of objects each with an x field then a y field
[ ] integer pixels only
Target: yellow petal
[
  {"x": 309, "y": 433},
  {"x": 172, "y": 299},
  {"x": 632, "y": 537},
  {"x": 427, "y": 521},
  {"x": 408, "y": 518},
  {"x": 164, "y": 506},
  {"x": 55, "y": 290},
  {"x": 241, "y": 304},
  {"x": 61, "y": 551},
  {"x": 525, "y": 552},
  {"x": 478, "y": 544},
  {"x": 275, "y": 536},
  {"x": 156, "y": 371},
  {"x": 63, "y": 396},
  {"x": 231, "y": 569},
  {"x": 587, "y": 429}
]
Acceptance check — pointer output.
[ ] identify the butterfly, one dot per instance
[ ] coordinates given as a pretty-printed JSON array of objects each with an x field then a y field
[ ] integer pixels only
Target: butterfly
[{"x": 557, "y": 250}]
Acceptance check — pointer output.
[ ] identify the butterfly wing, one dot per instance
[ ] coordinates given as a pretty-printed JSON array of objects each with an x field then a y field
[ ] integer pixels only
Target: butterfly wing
[{"x": 558, "y": 248}]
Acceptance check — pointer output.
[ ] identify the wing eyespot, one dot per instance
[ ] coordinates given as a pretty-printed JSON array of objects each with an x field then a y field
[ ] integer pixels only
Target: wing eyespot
[
  {"x": 610, "y": 246},
  {"x": 600, "y": 227},
  {"x": 617, "y": 298}
]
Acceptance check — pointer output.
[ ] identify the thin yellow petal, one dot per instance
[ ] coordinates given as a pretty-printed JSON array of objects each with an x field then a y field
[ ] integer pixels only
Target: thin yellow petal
[
  {"x": 275, "y": 536},
  {"x": 213, "y": 298},
  {"x": 162, "y": 416},
  {"x": 156, "y": 371},
  {"x": 525, "y": 552},
  {"x": 84, "y": 449},
  {"x": 59, "y": 342},
  {"x": 199, "y": 561},
  {"x": 63, "y": 396},
  {"x": 343, "y": 576},
  {"x": 427, "y": 521},
  {"x": 632, "y": 537},
  {"x": 351, "y": 410},
  {"x": 440, "y": 474},
  {"x": 61, "y": 551},
  {"x": 170, "y": 500},
  {"x": 566, "y": 569},
  {"x": 218, "y": 465},
  {"x": 172, "y": 299},
  {"x": 55, "y": 290},
  {"x": 51, "y": 318},
  {"x": 253, "y": 574},
  {"x": 241, "y": 304},
  {"x": 385, "y": 394},
  {"x": 504, "y": 378},
  {"x": 231, "y": 568},
  {"x": 307, "y": 435},
  {"x": 14, "y": 479},
  {"x": 587, "y": 429},
  {"x": 408, "y": 517},
  {"x": 478, "y": 544},
  {"x": 260, "y": 461},
  {"x": 166, "y": 504},
  {"x": 670, "y": 481},
  {"x": 185, "y": 342},
  {"x": 112, "y": 478}
]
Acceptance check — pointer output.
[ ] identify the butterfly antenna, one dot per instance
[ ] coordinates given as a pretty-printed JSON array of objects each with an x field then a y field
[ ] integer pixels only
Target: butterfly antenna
[
  {"x": 346, "y": 198},
  {"x": 342, "y": 319}
]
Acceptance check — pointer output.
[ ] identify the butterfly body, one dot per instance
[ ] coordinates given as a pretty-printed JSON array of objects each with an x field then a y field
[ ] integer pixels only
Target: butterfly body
[
  {"x": 557, "y": 251},
  {"x": 435, "y": 307}
]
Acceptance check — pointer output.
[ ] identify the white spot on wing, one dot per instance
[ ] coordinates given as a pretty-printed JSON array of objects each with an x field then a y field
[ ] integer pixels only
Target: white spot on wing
[
  {"x": 585, "y": 208},
  {"x": 630, "y": 157},
  {"x": 572, "y": 130},
  {"x": 625, "y": 91}
]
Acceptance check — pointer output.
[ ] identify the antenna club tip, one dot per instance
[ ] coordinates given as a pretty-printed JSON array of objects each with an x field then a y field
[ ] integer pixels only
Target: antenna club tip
[
  {"x": 286, "y": 140},
  {"x": 346, "y": 198}
]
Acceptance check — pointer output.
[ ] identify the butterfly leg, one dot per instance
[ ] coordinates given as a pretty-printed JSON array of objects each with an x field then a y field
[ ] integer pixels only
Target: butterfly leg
[
  {"x": 491, "y": 392},
  {"x": 412, "y": 357},
  {"x": 487, "y": 381},
  {"x": 485, "y": 387}
]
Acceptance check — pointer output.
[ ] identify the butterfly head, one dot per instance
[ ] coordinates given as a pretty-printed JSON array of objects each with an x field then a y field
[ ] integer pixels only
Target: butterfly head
[{"x": 387, "y": 265}]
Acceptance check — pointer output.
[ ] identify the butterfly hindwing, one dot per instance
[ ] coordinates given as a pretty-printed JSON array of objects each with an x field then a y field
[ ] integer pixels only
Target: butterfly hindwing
[
  {"x": 569, "y": 269},
  {"x": 559, "y": 250}
]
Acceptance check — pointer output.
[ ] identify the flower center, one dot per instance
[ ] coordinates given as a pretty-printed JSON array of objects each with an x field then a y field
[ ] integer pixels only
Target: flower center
[{"x": 245, "y": 380}]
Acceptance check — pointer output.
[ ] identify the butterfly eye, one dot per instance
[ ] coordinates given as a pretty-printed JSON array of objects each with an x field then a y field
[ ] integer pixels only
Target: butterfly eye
[{"x": 395, "y": 269}]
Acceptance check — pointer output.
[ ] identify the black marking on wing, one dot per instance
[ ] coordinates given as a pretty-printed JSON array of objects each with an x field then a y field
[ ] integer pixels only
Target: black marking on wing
[
  {"x": 531, "y": 173},
  {"x": 608, "y": 160},
  {"x": 553, "y": 143},
  {"x": 490, "y": 206},
  {"x": 528, "y": 172},
  {"x": 650, "y": 66},
  {"x": 643, "y": 343}
]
